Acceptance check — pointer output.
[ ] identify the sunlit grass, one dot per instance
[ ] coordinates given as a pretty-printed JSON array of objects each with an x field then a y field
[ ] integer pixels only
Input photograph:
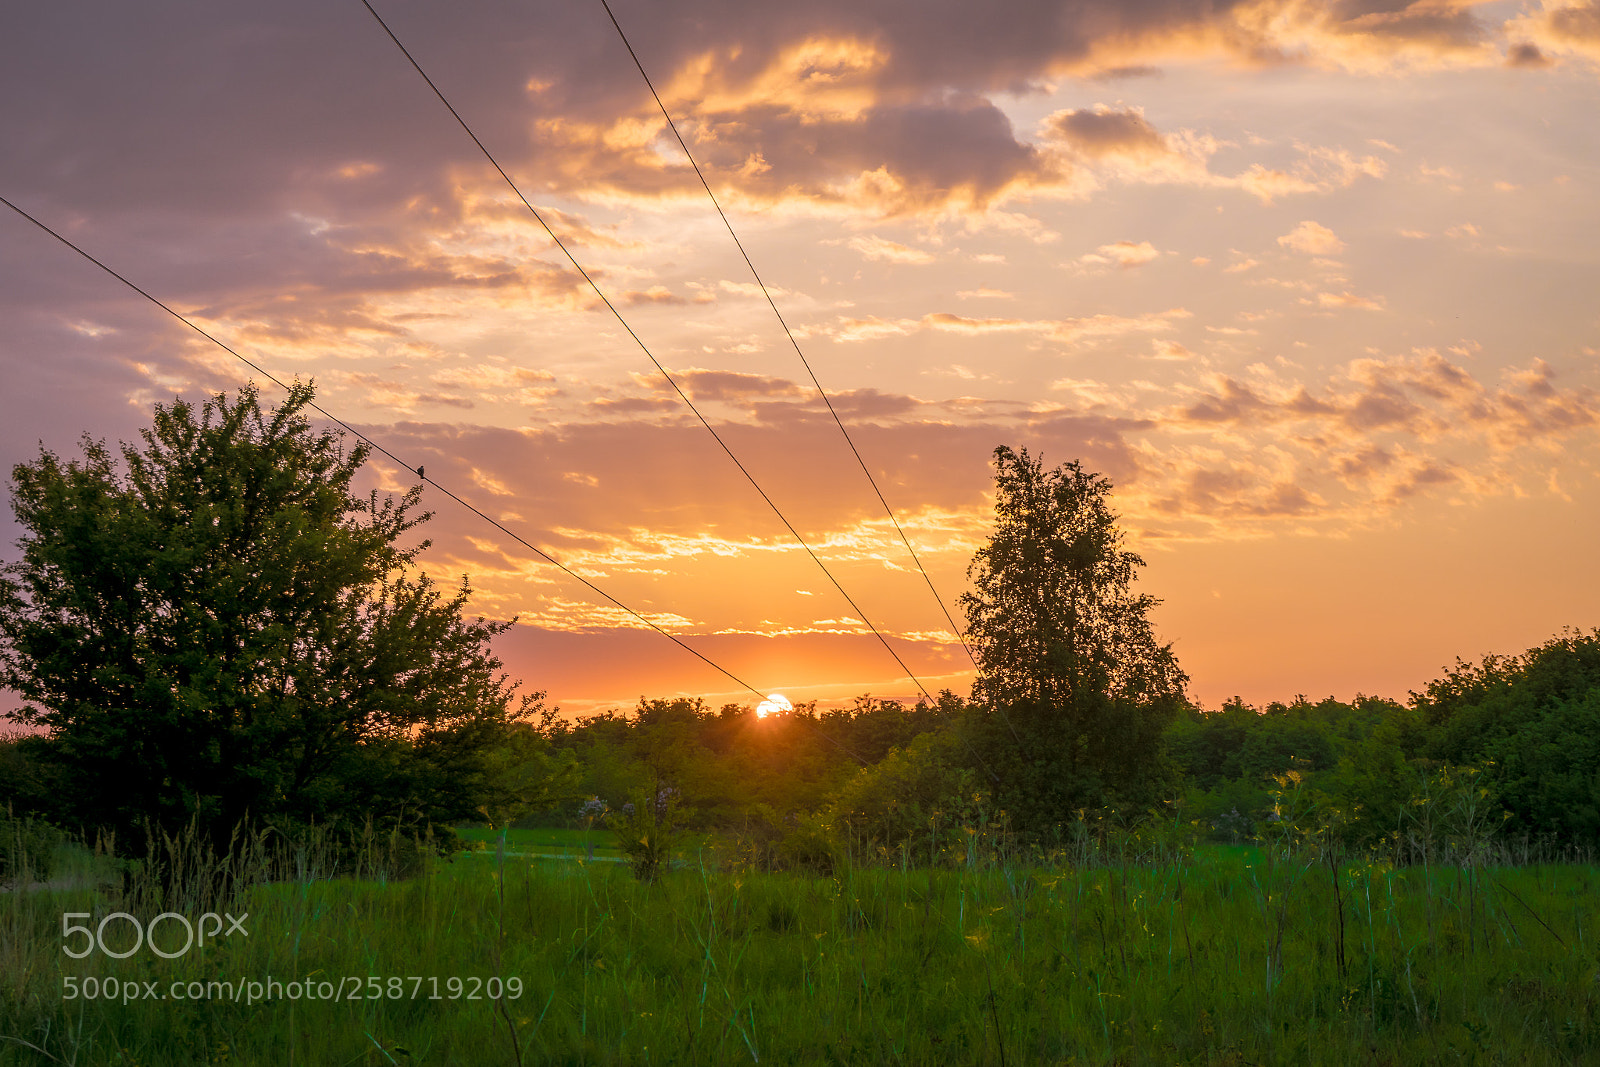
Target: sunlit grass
[
  {"x": 1193, "y": 960},
  {"x": 553, "y": 841}
]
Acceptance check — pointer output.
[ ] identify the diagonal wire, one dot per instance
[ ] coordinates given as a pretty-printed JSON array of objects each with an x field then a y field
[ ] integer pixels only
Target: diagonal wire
[
  {"x": 379, "y": 448},
  {"x": 956, "y": 629},
  {"x": 960, "y": 636},
  {"x": 646, "y": 350}
]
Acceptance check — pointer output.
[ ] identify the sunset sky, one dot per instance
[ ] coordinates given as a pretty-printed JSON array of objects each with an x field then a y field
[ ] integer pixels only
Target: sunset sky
[{"x": 1316, "y": 284}]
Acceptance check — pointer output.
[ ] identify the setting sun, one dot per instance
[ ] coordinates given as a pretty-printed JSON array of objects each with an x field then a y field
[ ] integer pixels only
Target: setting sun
[
  {"x": 775, "y": 704},
  {"x": 1307, "y": 284},
  {"x": 436, "y": 438}
]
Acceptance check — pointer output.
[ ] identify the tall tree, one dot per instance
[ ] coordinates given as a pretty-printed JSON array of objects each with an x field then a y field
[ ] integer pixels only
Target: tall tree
[
  {"x": 216, "y": 628},
  {"x": 1078, "y": 689}
]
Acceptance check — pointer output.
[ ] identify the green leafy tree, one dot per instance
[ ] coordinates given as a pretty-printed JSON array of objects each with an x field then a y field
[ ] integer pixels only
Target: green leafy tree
[
  {"x": 1077, "y": 688},
  {"x": 1206, "y": 746},
  {"x": 215, "y": 628},
  {"x": 1533, "y": 723}
]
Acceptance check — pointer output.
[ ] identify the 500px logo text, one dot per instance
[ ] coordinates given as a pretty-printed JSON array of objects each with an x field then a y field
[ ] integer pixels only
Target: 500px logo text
[{"x": 145, "y": 936}]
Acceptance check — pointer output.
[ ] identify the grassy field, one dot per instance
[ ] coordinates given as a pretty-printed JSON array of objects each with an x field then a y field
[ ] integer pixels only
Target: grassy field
[
  {"x": 1225, "y": 956},
  {"x": 542, "y": 842}
]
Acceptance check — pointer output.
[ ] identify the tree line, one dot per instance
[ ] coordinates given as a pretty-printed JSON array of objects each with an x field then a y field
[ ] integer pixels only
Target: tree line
[{"x": 210, "y": 630}]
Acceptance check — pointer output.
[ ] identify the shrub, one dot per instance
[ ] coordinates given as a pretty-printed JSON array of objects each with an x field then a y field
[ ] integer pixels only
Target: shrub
[
  {"x": 646, "y": 831},
  {"x": 809, "y": 846},
  {"x": 911, "y": 798},
  {"x": 27, "y": 848}
]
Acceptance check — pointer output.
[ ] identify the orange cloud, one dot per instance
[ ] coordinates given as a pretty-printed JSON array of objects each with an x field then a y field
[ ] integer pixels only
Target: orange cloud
[
  {"x": 733, "y": 385},
  {"x": 1348, "y": 300},
  {"x": 1124, "y": 254},
  {"x": 1061, "y": 330},
  {"x": 1121, "y": 143},
  {"x": 1312, "y": 239},
  {"x": 816, "y": 78},
  {"x": 1557, "y": 28},
  {"x": 660, "y": 295},
  {"x": 874, "y": 247},
  {"x": 1424, "y": 396}
]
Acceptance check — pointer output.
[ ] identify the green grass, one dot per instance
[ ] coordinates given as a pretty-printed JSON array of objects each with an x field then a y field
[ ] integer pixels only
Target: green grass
[
  {"x": 1229, "y": 957},
  {"x": 556, "y": 842},
  {"x": 599, "y": 844}
]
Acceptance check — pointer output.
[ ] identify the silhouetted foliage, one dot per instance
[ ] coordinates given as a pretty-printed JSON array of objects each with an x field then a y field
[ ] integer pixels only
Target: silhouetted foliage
[
  {"x": 29, "y": 782},
  {"x": 1533, "y": 723},
  {"x": 1077, "y": 688},
  {"x": 1518, "y": 735},
  {"x": 215, "y": 629}
]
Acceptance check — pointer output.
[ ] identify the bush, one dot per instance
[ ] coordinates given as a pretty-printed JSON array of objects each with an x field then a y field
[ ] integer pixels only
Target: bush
[
  {"x": 1531, "y": 723},
  {"x": 27, "y": 848},
  {"x": 646, "y": 831},
  {"x": 809, "y": 846},
  {"x": 909, "y": 800},
  {"x": 30, "y": 784}
]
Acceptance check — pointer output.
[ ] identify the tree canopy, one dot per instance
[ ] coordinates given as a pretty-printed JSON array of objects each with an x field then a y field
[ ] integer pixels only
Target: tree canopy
[
  {"x": 1533, "y": 723},
  {"x": 210, "y": 626},
  {"x": 1069, "y": 666},
  {"x": 215, "y": 628}
]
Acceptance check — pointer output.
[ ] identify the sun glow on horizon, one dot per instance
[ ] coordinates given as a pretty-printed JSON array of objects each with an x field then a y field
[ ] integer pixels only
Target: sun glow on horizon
[
  {"x": 1320, "y": 322},
  {"x": 775, "y": 704}
]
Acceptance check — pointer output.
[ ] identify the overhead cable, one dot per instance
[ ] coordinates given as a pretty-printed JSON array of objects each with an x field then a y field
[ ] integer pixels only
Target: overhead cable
[
  {"x": 386, "y": 452},
  {"x": 646, "y": 350},
  {"x": 960, "y": 636}
]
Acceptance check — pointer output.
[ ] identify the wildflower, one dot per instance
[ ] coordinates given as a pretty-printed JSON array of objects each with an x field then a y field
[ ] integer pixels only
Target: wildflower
[{"x": 664, "y": 799}]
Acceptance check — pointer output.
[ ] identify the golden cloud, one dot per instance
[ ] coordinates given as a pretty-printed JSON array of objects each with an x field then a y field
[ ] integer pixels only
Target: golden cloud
[
  {"x": 1312, "y": 239},
  {"x": 874, "y": 247},
  {"x": 1061, "y": 330},
  {"x": 1124, "y": 254},
  {"x": 1559, "y": 28},
  {"x": 1348, "y": 300},
  {"x": 817, "y": 78}
]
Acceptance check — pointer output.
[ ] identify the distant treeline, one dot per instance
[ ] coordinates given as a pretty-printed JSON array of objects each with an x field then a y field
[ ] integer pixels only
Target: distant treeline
[
  {"x": 216, "y": 637},
  {"x": 1517, "y": 736},
  {"x": 1521, "y": 733}
]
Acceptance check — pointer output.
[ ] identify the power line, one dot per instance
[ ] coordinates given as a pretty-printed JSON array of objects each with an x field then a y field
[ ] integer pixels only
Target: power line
[
  {"x": 646, "y": 350},
  {"x": 379, "y": 448},
  {"x": 807, "y": 363},
  {"x": 960, "y": 636}
]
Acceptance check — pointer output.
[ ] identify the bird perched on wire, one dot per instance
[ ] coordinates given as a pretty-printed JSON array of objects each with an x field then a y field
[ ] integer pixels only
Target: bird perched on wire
[{"x": 421, "y": 475}]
